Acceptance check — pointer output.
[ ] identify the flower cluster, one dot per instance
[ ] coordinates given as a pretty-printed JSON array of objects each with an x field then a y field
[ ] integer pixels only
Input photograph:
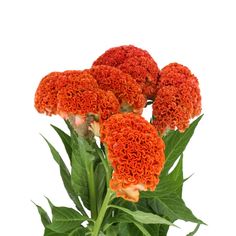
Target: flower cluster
[
  {"x": 135, "y": 152},
  {"x": 122, "y": 85},
  {"x": 136, "y": 62},
  {"x": 178, "y": 98}
]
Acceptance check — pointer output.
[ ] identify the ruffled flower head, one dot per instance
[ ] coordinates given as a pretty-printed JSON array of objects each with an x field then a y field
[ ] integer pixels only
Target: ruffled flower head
[
  {"x": 125, "y": 88},
  {"x": 45, "y": 100},
  {"x": 178, "y": 98},
  {"x": 136, "y": 62},
  {"x": 135, "y": 152}
]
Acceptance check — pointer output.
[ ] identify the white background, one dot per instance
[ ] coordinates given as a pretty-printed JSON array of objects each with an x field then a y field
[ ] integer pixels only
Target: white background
[{"x": 37, "y": 37}]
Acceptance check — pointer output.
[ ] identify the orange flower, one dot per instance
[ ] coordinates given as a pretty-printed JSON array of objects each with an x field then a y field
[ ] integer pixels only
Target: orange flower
[
  {"x": 117, "y": 55},
  {"x": 136, "y": 62},
  {"x": 45, "y": 100},
  {"x": 47, "y": 91},
  {"x": 178, "y": 98},
  {"x": 74, "y": 100},
  {"x": 135, "y": 152},
  {"x": 176, "y": 74},
  {"x": 122, "y": 85},
  {"x": 145, "y": 71}
]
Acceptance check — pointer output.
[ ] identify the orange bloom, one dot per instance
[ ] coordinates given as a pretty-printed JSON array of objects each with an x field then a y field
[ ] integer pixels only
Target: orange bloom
[
  {"x": 135, "y": 152},
  {"x": 74, "y": 100},
  {"x": 45, "y": 100},
  {"x": 176, "y": 74},
  {"x": 136, "y": 62},
  {"x": 47, "y": 91},
  {"x": 145, "y": 71},
  {"x": 117, "y": 55},
  {"x": 178, "y": 98},
  {"x": 122, "y": 85}
]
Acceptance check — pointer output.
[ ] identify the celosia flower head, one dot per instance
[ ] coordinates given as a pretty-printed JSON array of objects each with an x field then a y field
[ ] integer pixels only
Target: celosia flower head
[
  {"x": 72, "y": 101},
  {"x": 45, "y": 100},
  {"x": 126, "y": 89},
  {"x": 136, "y": 62},
  {"x": 178, "y": 98},
  {"x": 46, "y": 96},
  {"x": 135, "y": 152}
]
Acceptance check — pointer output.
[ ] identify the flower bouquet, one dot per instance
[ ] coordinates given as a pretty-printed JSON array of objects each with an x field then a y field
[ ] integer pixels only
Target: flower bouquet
[{"x": 126, "y": 173}]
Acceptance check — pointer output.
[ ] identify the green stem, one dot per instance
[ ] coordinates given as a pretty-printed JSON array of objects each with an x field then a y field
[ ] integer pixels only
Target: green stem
[
  {"x": 102, "y": 212},
  {"x": 92, "y": 192}
]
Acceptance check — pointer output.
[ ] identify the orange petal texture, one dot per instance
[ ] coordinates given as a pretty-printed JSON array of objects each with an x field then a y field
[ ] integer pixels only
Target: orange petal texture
[
  {"x": 135, "y": 152},
  {"x": 136, "y": 62},
  {"x": 125, "y": 88},
  {"x": 178, "y": 99}
]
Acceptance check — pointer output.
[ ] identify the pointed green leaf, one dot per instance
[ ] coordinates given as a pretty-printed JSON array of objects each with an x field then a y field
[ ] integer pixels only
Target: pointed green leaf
[
  {"x": 65, "y": 219},
  {"x": 143, "y": 217},
  {"x": 100, "y": 181},
  {"x": 173, "y": 207},
  {"x": 66, "y": 177},
  {"x": 65, "y": 138},
  {"x": 44, "y": 216},
  {"x": 176, "y": 143},
  {"x": 49, "y": 232},
  {"x": 78, "y": 232},
  {"x": 82, "y": 158}
]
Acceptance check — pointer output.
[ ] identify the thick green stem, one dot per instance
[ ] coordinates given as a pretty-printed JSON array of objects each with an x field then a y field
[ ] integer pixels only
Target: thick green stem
[
  {"x": 92, "y": 192},
  {"x": 102, "y": 212}
]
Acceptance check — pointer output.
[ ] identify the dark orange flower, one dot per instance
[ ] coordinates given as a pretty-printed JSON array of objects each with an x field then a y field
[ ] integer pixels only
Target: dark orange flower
[
  {"x": 117, "y": 55},
  {"x": 135, "y": 152},
  {"x": 45, "y": 100},
  {"x": 136, "y": 62},
  {"x": 178, "y": 98},
  {"x": 122, "y": 85}
]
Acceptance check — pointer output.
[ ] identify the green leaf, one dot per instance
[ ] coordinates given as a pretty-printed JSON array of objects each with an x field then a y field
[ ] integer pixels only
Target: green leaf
[
  {"x": 82, "y": 158},
  {"x": 100, "y": 181},
  {"x": 195, "y": 230},
  {"x": 176, "y": 143},
  {"x": 173, "y": 207},
  {"x": 49, "y": 232},
  {"x": 143, "y": 217},
  {"x": 81, "y": 231},
  {"x": 44, "y": 216},
  {"x": 65, "y": 219},
  {"x": 65, "y": 138},
  {"x": 66, "y": 177},
  {"x": 124, "y": 218}
]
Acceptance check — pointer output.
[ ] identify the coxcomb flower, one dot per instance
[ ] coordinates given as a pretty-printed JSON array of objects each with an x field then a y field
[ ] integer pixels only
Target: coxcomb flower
[
  {"x": 136, "y": 62},
  {"x": 135, "y": 152},
  {"x": 178, "y": 99},
  {"x": 125, "y": 88}
]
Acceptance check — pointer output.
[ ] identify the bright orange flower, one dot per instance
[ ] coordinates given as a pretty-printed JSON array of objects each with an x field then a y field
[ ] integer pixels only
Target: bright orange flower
[
  {"x": 126, "y": 89},
  {"x": 178, "y": 98},
  {"x": 136, "y": 62},
  {"x": 72, "y": 100},
  {"x": 45, "y": 100},
  {"x": 176, "y": 74},
  {"x": 135, "y": 152},
  {"x": 145, "y": 71},
  {"x": 47, "y": 91}
]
